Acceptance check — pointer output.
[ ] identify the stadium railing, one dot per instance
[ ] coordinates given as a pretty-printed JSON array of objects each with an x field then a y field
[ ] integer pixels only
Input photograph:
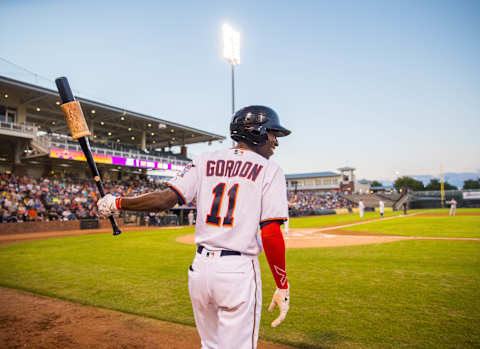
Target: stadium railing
[
  {"x": 24, "y": 128},
  {"x": 130, "y": 154}
]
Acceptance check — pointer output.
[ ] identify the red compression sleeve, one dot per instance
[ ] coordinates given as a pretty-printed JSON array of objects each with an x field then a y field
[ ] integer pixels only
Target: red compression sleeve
[
  {"x": 274, "y": 247},
  {"x": 118, "y": 203}
]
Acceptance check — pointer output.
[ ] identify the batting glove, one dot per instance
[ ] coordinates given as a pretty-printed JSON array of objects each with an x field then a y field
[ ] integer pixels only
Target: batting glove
[
  {"x": 107, "y": 206},
  {"x": 281, "y": 298}
]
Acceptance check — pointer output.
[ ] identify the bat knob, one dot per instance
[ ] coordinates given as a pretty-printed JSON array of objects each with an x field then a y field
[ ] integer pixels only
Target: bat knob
[
  {"x": 116, "y": 229},
  {"x": 117, "y": 232}
]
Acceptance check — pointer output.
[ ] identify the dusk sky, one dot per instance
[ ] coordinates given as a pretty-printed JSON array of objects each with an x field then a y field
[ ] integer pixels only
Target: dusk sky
[{"x": 388, "y": 87}]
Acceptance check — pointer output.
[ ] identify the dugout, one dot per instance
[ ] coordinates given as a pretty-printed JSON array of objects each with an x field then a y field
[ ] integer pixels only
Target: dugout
[
  {"x": 433, "y": 199},
  {"x": 292, "y": 212}
]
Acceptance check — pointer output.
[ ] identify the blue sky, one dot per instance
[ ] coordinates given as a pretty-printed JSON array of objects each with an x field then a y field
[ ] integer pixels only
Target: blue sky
[{"x": 389, "y": 87}]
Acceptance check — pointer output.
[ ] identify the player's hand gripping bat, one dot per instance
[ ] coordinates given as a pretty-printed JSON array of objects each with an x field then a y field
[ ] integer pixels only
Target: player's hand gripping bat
[{"x": 79, "y": 129}]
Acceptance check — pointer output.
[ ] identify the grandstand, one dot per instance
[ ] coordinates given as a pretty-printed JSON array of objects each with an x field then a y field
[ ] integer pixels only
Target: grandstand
[
  {"x": 325, "y": 181},
  {"x": 43, "y": 175},
  {"x": 35, "y": 141}
]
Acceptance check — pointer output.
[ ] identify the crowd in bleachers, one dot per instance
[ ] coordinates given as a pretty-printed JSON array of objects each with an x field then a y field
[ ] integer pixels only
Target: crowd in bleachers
[
  {"x": 25, "y": 199},
  {"x": 313, "y": 201}
]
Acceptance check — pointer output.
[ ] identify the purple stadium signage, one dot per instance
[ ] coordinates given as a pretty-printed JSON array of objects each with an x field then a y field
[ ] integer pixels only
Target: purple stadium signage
[{"x": 57, "y": 153}]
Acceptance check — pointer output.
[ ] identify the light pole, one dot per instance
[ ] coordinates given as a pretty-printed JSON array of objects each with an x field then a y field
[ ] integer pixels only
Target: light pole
[{"x": 231, "y": 52}]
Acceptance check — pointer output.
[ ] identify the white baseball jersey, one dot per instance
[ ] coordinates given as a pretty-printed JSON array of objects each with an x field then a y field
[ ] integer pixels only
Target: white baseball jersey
[{"x": 236, "y": 190}]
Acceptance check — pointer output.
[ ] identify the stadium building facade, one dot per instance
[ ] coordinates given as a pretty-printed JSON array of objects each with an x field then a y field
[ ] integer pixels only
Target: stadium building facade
[
  {"x": 35, "y": 140},
  {"x": 342, "y": 181}
]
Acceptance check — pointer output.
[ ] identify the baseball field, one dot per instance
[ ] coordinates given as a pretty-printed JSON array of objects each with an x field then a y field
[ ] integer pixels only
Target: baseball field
[{"x": 396, "y": 282}]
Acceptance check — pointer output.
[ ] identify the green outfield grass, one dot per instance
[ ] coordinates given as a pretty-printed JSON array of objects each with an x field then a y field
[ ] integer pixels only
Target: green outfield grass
[
  {"x": 320, "y": 221},
  {"x": 407, "y": 294},
  {"x": 427, "y": 226}
]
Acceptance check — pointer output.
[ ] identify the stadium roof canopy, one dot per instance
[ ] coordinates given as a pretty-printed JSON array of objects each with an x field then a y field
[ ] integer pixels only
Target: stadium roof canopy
[
  {"x": 383, "y": 187},
  {"x": 43, "y": 109},
  {"x": 311, "y": 175}
]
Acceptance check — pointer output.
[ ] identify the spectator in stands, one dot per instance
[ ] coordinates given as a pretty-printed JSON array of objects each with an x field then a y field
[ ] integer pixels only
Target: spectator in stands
[{"x": 3, "y": 215}]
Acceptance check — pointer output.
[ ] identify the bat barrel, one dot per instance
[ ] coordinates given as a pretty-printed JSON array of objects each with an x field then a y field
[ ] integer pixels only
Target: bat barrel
[
  {"x": 78, "y": 127},
  {"x": 64, "y": 90}
]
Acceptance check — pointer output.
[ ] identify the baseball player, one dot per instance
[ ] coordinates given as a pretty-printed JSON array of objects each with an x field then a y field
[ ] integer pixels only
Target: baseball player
[
  {"x": 361, "y": 208},
  {"x": 453, "y": 207},
  {"x": 381, "y": 206},
  {"x": 191, "y": 217},
  {"x": 237, "y": 190}
]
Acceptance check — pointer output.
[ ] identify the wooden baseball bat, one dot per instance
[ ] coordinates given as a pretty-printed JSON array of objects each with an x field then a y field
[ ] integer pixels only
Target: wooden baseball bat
[{"x": 79, "y": 129}]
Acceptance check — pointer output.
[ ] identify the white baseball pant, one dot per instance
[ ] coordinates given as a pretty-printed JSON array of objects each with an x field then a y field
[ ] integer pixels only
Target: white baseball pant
[{"x": 226, "y": 295}]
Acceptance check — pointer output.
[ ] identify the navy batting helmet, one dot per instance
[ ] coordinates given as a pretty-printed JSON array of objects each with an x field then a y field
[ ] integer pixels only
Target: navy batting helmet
[{"x": 250, "y": 125}]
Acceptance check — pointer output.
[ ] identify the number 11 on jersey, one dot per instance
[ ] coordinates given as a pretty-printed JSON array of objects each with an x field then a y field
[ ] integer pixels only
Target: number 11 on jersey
[{"x": 213, "y": 218}]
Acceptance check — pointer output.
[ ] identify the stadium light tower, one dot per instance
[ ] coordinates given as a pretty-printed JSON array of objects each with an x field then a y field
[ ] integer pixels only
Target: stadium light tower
[{"x": 231, "y": 52}]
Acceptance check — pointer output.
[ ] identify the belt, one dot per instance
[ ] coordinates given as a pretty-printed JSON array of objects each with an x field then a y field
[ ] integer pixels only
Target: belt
[{"x": 222, "y": 252}]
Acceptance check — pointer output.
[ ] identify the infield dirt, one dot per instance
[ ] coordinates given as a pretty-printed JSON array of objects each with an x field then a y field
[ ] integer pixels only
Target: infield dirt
[{"x": 31, "y": 321}]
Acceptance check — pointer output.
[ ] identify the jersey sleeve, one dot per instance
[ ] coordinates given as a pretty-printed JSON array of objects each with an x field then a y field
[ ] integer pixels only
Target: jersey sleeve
[
  {"x": 185, "y": 185},
  {"x": 274, "y": 198}
]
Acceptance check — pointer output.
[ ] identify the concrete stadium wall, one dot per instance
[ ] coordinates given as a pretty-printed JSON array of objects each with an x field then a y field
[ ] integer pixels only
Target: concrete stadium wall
[
  {"x": 35, "y": 172},
  {"x": 38, "y": 227}
]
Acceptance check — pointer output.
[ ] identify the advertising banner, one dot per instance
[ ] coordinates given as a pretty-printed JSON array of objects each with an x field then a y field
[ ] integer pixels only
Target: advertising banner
[
  {"x": 57, "y": 153},
  {"x": 471, "y": 195}
]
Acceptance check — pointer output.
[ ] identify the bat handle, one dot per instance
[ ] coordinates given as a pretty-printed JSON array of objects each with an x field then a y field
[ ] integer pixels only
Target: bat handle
[{"x": 96, "y": 176}]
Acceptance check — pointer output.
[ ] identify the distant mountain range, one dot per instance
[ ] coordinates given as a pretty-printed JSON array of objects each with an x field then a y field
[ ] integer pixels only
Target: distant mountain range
[{"x": 455, "y": 179}]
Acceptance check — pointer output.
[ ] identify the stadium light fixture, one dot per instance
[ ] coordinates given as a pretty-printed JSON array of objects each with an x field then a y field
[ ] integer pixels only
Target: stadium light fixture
[
  {"x": 231, "y": 44},
  {"x": 5, "y": 95},
  {"x": 231, "y": 52}
]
